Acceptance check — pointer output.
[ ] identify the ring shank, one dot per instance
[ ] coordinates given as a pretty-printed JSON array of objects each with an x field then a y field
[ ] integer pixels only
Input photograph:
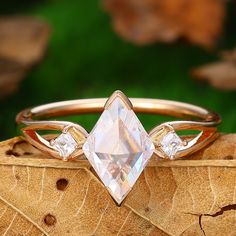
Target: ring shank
[
  {"x": 154, "y": 106},
  {"x": 193, "y": 118}
]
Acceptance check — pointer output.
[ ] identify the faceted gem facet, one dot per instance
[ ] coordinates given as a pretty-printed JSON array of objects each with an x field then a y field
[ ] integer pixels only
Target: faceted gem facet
[
  {"x": 118, "y": 148},
  {"x": 65, "y": 145},
  {"x": 170, "y": 144}
]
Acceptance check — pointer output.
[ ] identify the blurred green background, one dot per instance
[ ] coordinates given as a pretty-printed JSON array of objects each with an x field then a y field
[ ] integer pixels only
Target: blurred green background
[{"x": 86, "y": 59}]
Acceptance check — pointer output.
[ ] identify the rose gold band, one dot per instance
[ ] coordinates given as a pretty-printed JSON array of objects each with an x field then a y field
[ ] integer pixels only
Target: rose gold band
[
  {"x": 155, "y": 106},
  {"x": 195, "y": 118}
]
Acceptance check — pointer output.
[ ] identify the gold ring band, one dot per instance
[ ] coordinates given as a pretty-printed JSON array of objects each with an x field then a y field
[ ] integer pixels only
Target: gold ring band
[
  {"x": 119, "y": 139},
  {"x": 196, "y": 118}
]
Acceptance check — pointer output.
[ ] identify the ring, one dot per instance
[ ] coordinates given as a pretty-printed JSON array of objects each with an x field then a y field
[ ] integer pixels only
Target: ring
[{"x": 118, "y": 147}]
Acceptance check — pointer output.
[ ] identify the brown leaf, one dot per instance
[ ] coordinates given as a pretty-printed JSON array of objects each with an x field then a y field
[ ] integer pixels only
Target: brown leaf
[
  {"x": 220, "y": 74},
  {"x": 23, "y": 42},
  {"x": 45, "y": 196},
  {"x": 54, "y": 199},
  {"x": 11, "y": 74},
  {"x": 23, "y": 39},
  {"x": 147, "y": 21}
]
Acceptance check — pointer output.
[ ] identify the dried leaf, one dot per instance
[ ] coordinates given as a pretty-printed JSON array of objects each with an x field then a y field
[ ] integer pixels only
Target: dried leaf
[
  {"x": 148, "y": 21},
  {"x": 52, "y": 199},
  {"x": 44, "y": 196},
  {"x": 11, "y": 74},
  {"x": 23, "y": 42},
  {"x": 220, "y": 74},
  {"x": 23, "y": 39}
]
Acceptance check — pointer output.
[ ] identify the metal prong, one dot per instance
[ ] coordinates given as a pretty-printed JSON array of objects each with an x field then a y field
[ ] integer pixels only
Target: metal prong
[
  {"x": 185, "y": 143},
  {"x": 52, "y": 142},
  {"x": 122, "y": 96},
  {"x": 65, "y": 130}
]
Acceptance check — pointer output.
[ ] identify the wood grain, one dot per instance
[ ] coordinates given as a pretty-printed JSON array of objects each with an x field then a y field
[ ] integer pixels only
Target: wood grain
[{"x": 43, "y": 196}]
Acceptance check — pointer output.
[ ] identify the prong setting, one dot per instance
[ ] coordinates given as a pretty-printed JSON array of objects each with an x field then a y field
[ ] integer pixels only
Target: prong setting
[
  {"x": 118, "y": 147},
  {"x": 170, "y": 144},
  {"x": 121, "y": 96},
  {"x": 52, "y": 142},
  {"x": 66, "y": 129},
  {"x": 65, "y": 144},
  {"x": 185, "y": 143}
]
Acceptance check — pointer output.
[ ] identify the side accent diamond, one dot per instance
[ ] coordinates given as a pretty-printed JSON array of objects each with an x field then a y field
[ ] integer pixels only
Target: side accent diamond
[
  {"x": 118, "y": 147},
  {"x": 170, "y": 144},
  {"x": 65, "y": 145}
]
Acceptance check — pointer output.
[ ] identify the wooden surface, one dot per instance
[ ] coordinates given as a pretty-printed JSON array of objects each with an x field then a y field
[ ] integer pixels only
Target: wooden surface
[{"x": 43, "y": 196}]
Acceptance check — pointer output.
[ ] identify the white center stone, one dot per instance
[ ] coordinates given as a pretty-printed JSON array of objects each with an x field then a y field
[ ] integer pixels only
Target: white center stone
[
  {"x": 118, "y": 148},
  {"x": 170, "y": 144},
  {"x": 65, "y": 145}
]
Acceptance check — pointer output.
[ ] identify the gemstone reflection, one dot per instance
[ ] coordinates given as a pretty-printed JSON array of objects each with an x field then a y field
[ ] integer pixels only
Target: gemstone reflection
[{"x": 118, "y": 147}]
